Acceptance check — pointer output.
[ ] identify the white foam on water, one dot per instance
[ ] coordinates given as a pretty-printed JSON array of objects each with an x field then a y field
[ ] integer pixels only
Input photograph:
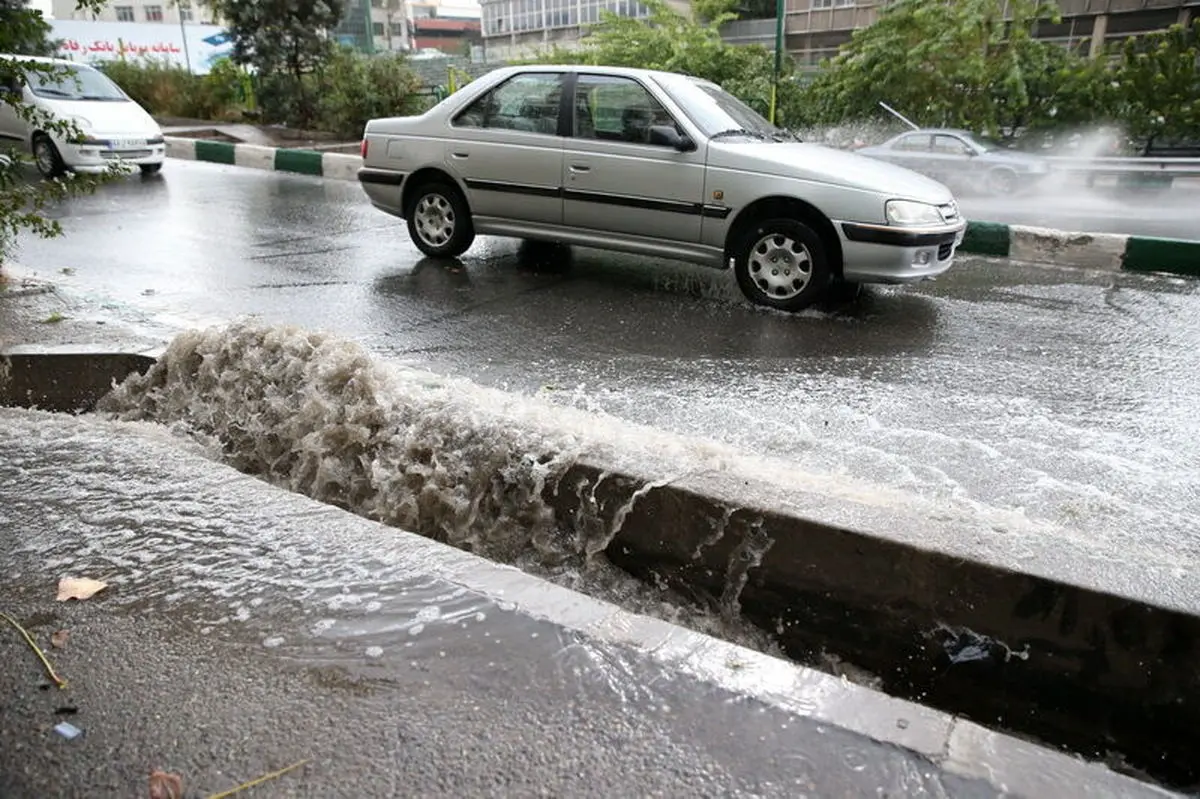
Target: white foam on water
[{"x": 469, "y": 465}]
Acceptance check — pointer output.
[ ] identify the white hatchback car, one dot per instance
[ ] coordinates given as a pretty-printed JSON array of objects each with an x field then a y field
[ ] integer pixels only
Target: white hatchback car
[
  {"x": 658, "y": 164},
  {"x": 113, "y": 127}
]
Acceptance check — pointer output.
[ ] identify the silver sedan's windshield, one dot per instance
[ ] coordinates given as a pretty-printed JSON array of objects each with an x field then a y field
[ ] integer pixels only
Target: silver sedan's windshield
[{"x": 716, "y": 111}]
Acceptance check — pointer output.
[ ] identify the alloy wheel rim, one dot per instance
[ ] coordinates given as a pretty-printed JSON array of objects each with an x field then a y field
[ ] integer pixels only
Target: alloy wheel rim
[
  {"x": 45, "y": 159},
  {"x": 780, "y": 266},
  {"x": 435, "y": 220}
]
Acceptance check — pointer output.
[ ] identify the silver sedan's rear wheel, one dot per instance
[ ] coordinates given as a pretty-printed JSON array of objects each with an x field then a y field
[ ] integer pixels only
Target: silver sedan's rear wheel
[
  {"x": 439, "y": 221},
  {"x": 781, "y": 263}
]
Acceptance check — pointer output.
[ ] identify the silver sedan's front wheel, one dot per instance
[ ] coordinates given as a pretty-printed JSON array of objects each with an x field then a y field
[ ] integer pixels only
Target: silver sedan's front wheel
[
  {"x": 781, "y": 263},
  {"x": 439, "y": 221},
  {"x": 47, "y": 158},
  {"x": 780, "y": 266}
]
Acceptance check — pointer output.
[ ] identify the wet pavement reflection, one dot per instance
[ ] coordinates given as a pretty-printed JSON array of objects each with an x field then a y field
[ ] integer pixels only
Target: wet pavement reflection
[{"x": 1060, "y": 395}]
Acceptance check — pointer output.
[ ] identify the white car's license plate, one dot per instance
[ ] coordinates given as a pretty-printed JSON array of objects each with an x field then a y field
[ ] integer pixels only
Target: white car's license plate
[{"x": 126, "y": 144}]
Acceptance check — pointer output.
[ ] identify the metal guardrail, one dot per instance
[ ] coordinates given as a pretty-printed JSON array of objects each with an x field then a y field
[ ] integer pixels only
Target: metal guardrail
[{"x": 1174, "y": 167}]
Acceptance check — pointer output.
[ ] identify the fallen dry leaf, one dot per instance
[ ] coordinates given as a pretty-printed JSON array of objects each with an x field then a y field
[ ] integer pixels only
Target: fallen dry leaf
[
  {"x": 59, "y": 639},
  {"x": 165, "y": 786},
  {"x": 78, "y": 588}
]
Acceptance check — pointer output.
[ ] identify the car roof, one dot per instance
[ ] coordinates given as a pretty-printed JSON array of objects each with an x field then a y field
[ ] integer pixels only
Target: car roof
[
  {"x": 596, "y": 70},
  {"x": 935, "y": 131},
  {"x": 42, "y": 60}
]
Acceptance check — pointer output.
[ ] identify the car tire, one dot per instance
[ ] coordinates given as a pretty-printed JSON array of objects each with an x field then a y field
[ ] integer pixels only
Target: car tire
[
  {"x": 1002, "y": 182},
  {"x": 439, "y": 221},
  {"x": 150, "y": 169},
  {"x": 47, "y": 158},
  {"x": 782, "y": 264}
]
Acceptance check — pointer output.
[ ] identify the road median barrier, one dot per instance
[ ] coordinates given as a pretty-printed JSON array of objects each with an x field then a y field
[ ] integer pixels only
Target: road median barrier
[{"x": 1105, "y": 251}]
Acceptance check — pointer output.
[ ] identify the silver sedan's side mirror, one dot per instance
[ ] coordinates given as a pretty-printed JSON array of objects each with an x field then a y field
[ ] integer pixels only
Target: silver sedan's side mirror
[{"x": 668, "y": 136}]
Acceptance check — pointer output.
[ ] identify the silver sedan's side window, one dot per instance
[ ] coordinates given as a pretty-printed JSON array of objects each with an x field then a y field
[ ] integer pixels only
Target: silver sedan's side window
[
  {"x": 916, "y": 142},
  {"x": 528, "y": 102},
  {"x": 616, "y": 109},
  {"x": 949, "y": 145}
]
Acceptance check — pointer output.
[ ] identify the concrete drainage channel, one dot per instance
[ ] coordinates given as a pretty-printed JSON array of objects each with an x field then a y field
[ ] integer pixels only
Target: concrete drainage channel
[{"x": 1111, "y": 678}]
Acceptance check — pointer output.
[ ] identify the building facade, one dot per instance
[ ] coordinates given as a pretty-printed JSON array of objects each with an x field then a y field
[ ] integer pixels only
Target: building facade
[
  {"x": 815, "y": 29},
  {"x": 521, "y": 28},
  {"x": 154, "y": 11}
]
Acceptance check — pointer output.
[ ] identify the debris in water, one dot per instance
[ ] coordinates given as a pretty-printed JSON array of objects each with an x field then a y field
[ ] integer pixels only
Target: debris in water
[
  {"x": 59, "y": 639},
  {"x": 37, "y": 650},
  {"x": 67, "y": 730},
  {"x": 964, "y": 645},
  {"x": 79, "y": 588},
  {"x": 259, "y": 780},
  {"x": 165, "y": 786}
]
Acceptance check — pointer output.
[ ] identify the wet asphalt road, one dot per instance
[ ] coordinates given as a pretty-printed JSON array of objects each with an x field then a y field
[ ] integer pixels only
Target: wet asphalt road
[{"x": 1063, "y": 395}]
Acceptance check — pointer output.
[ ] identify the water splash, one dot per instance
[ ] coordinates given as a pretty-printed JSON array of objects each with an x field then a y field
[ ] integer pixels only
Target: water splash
[
  {"x": 467, "y": 466},
  {"x": 747, "y": 555}
]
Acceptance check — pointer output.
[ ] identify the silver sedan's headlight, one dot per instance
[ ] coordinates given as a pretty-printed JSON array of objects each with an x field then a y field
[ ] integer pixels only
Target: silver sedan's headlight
[{"x": 910, "y": 213}]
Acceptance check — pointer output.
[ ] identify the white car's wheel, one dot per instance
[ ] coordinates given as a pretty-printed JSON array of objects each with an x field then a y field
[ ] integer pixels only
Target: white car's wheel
[
  {"x": 439, "y": 221},
  {"x": 781, "y": 263},
  {"x": 46, "y": 157}
]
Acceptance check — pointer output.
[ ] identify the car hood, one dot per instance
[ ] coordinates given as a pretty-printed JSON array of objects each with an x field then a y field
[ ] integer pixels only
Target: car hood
[
  {"x": 822, "y": 164},
  {"x": 106, "y": 118}
]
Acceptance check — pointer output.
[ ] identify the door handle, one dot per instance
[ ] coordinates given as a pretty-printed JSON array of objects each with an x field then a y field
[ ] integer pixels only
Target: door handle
[
  {"x": 580, "y": 168},
  {"x": 460, "y": 155}
]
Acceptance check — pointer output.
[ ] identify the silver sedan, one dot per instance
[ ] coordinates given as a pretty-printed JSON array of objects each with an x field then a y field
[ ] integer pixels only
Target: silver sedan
[
  {"x": 657, "y": 164},
  {"x": 959, "y": 158}
]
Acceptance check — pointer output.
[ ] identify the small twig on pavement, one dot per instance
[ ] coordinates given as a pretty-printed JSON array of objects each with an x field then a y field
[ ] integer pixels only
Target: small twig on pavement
[
  {"x": 59, "y": 681},
  {"x": 259, "y": 781}
]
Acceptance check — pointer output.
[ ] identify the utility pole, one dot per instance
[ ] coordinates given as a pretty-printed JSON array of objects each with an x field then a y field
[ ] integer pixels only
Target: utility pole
[
  {"x": 780, "y": 9},
  {"x": 179, "y": 7}
]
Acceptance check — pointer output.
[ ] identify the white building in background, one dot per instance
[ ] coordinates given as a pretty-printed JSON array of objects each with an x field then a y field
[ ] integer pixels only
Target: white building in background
[
  {"x": 520, "y": 28},
  {"x": 164, "y": 11}
]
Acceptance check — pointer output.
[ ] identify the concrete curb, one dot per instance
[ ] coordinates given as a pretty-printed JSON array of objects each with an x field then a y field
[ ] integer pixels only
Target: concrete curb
[{"x": 1105, "y": 251}]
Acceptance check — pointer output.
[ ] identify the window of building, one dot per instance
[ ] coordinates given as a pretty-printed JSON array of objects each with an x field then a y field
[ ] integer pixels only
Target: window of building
[
  {"x": 124, "y": 13},
  {"x": 185, "y": 12},
  {"x": 398, "y": 28},
  {"x": 377, "y": 28},
  {"x": 527, "y": 102},
  {"x": 616, "y": 109},
  {"x": 834, "y": 3},
  {"x": 154, "y": 13}
]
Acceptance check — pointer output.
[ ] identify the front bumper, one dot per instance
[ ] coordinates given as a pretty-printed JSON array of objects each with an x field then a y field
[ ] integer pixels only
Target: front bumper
[
  {"x": 98, "y": 153},
  {"x": 891, "y": 254}
]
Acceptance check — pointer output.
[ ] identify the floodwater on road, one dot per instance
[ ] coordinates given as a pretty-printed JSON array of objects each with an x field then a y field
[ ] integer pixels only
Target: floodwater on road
[{"x": 1052, "y": 398}]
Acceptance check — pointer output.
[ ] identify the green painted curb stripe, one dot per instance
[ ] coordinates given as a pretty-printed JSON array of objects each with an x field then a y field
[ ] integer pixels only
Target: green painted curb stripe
[
  {"x": 218, "y": 152},
  {"x": 986, "y": 238},
  {"x": 306, "y": 162},
  {"x": 1162, "y": 255}
]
